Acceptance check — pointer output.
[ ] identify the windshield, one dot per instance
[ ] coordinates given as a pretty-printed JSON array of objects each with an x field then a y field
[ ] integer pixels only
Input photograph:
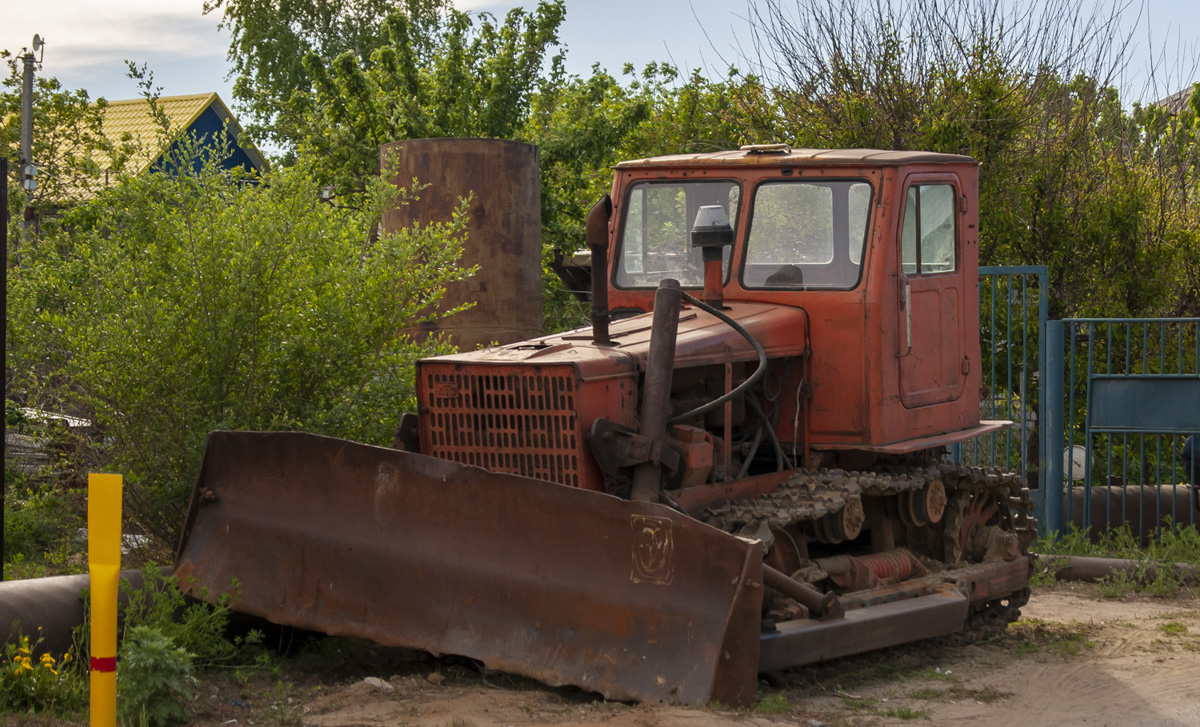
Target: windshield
[
  {"x": 807, "y": 235},
  {"x": 655, "y": 243}
]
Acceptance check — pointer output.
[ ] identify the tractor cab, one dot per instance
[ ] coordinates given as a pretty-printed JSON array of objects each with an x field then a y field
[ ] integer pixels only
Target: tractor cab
[{"x": 879, "y": 248}]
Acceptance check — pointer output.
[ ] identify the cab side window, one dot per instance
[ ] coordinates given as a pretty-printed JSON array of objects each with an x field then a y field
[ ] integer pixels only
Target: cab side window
[{"x": 927, "y": 241}]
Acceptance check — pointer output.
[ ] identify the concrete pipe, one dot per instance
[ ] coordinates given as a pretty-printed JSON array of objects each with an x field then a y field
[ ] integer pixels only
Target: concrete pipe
[{"x": 54, "y": 605}]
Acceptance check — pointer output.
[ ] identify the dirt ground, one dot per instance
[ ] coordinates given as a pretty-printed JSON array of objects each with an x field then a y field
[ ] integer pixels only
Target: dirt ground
[{"x": 1073, "y": 659}]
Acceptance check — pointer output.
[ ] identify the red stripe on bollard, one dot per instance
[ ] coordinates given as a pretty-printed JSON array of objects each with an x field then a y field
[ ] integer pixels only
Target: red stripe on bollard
[{"x": 106, "y": 663}]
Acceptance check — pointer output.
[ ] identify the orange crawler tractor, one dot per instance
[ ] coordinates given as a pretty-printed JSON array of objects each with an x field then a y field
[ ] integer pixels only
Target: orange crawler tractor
[{"x": 737, "y": 469}]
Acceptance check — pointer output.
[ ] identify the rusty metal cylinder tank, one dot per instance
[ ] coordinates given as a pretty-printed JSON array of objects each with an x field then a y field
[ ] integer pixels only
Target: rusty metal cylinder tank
[{"x": 504, "y": 237}]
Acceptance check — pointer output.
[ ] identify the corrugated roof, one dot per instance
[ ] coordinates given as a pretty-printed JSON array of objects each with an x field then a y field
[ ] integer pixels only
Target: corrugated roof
[
  {"x": 133, "y": 117},
  {"x": 130, "y": 123},
  {"x": 800, "y": 157}
]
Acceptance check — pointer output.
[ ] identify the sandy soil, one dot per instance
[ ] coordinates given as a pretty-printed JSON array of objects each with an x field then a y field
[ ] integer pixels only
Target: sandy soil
[{"x": 1073, "y": 659}]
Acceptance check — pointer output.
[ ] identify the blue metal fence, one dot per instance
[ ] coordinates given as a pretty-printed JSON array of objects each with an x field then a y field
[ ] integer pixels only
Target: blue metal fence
[
  {"x": 1013, "y": 302},
  {"x": 1101, "y": 408},
  {"x": 1122, "y": 396}
]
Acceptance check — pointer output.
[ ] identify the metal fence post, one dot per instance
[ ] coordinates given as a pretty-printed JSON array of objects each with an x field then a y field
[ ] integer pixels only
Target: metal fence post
[{"x": 1051, "y": 515}]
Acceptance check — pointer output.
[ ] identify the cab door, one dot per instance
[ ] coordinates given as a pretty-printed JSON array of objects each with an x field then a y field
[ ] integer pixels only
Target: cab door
[{"x": 933, "y": 367}]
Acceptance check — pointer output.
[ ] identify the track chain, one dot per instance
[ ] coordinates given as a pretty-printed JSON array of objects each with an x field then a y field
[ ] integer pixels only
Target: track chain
[
  {"x": 812, "y": 494},
  {"x": 988, "y": 620}
]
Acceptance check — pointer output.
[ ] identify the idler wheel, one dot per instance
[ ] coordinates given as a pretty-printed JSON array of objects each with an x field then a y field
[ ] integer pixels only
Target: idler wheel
[
  {"x": 836, "y": 527},
  {"x": 911, "y": 510},
  {"x": 930, "y": 502},
  {"x": 845, "y": 524}
]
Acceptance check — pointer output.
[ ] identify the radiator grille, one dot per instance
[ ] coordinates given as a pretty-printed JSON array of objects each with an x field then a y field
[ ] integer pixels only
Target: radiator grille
[{"x": 520, "y": 423}]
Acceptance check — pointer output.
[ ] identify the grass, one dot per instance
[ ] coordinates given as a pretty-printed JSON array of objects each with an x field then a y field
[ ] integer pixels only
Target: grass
[
  {"x": 1180, "y": 545},
  {"x": 887, "y": 666},
  {"x": 905, "y": 713},
  {"x": 864, "y": 705},
  {"x": 957, "y": 692},
  {"x": 1173, "y": 628},
  {"x": 773, "y": 704},
  {"x": 1031, "y": 636},
  {"x": 936, "y": 673},
  {"x": 986, "y": 695},
  {"x": 1169, "y": 546},
  {"x": 858, "y": 704}
]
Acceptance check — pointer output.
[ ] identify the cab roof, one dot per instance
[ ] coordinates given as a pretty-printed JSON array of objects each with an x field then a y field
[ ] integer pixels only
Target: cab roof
[{"x": 773, "y": 155}]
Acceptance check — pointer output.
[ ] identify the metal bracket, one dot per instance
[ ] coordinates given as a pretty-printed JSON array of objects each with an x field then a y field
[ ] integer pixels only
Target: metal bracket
[{"x": 618, "y": 449}]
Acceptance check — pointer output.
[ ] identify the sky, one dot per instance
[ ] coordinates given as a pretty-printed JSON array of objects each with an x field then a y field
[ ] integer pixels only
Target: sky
[{"x": 87, "y": 41}]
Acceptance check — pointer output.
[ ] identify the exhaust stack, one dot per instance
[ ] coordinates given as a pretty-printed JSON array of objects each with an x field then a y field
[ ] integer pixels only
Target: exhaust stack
[{"x": 597, "y": 240}]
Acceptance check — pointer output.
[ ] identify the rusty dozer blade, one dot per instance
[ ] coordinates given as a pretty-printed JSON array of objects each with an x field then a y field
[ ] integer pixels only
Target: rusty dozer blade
[{"x": 629, "y": 599}]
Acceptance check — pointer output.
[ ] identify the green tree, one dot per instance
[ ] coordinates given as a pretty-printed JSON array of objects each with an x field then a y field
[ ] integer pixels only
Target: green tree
[
  {"x": 1071, "y": 177},
  {"x": 68, "y": 147},
  {"x": 270, "y": 39},
  {"x": 421, "y": 70},
  {"x": 337, "y": 80},
  {"x": 456, "y": 78}
]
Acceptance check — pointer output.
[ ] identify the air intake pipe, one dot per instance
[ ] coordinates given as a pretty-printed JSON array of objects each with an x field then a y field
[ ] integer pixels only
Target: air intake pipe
[{"x": 712, "y": 233}]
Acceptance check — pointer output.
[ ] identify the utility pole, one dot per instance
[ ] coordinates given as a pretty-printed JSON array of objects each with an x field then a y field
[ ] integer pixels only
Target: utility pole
[{"x": 28, "y": 170}]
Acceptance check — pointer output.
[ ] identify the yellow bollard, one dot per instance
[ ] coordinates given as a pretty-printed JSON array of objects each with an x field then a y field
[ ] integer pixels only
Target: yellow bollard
[{"x": 104, "y": 567}]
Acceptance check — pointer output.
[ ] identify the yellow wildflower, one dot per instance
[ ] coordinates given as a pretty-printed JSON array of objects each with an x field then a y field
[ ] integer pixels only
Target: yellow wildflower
[{"x": 47, "y": 659}]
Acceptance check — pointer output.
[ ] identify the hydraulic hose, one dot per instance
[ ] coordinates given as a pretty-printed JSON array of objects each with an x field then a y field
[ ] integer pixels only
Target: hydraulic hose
[{"x": 743, "y": 387}]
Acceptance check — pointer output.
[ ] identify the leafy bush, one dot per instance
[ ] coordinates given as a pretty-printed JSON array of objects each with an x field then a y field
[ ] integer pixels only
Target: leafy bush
[
  {"x": 165, "y": 641},
  {"x": 199, "y": 628},
  {"x": 36, "y": 520},
  {"x": 177, "y": 305},
  {"x": 154, "y": 680},
  {"x": 42, "y": 511},
  {"x": 40, "y": 522}
]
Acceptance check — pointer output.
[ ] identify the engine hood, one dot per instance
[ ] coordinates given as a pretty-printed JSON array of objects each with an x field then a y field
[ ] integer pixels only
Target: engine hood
[{"x": 702, "y": 339}]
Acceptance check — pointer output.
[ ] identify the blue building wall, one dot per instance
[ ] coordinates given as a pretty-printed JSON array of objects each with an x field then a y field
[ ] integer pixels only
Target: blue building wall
[{"x": 209, "y": 128}]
